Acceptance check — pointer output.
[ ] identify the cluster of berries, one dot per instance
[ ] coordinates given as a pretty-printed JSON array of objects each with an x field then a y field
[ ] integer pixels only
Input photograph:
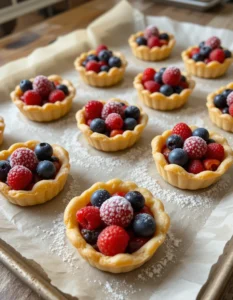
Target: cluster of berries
[
  {"x": 26, "y": 167},
  {"x": 166, "y": 81},
  {"x": 111, "y": 118},
  {"x": 118, "y": 223},
  {"x": 193, "y": 150},
  {"x": 152, "y": 38},
  {"x": 102, "y": 61},
  {"x": 42, "y": 91},
  {"x": 210, "y": 50},
  {"x": 224, "y": 101}
]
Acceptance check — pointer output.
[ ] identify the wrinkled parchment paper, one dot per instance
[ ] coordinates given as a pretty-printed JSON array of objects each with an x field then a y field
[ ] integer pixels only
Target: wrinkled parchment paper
[{"x": 201, "y": 221}]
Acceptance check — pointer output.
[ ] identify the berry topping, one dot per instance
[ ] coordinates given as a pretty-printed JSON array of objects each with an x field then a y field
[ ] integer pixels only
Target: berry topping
[
  {"x": 100, "y": 48},
  {"x": 113, "y": 240},
  {"x": 153, "y": 41},
  {"x": 116, "y": 132},
  {"x": 213, "y": 42},
  {"x": 158, "y": 78},
  {"x": 104, "y": 55},
  {"x": 56, "y": 95},
  {"x": 178, "y": 156},
  {"x": 182, "y": 130},
  {"x": 90, "y": 236},
  {"x": 229, "y": 100},
  {"x": 220, "y": 101},
  {"x": 32, "y": 98},
  {"x": 202, "y": 44},
  {"x": 151, "y": 31},
  {"x": 25, "y": 85},
  {"x": 193, "y": 52},
  {"x": 141, "y": 41},
  {"x": 178, "y": 89},
  {"x": 148, "y": 75},
  {"x": 136, "y": 243},
  {"x": 152, "y": 86},
  {"x": 63, "y": 88},
  {"x": 104, "y": 68},
  {"x": 136, "y": 199},
  {"x": 144, "y": 225},
  {"x": 93, "y": 109},
  {"x": 93, "y": 65},
  {"x": 92, "y": 57},
  {"x": 205, "y": 51},
  {"x": 43, "y": 86},
  {"x": 201, "y": 132},
  {"x": 217, "y": 55},
  {"x": 195, "y": 147},
  {"x": 130, "y": 124},
  {"x": 4, "y": 169},
  {"x": 231, "y": 110},
  {"x": 43, "y": 151},
  {"x": 225, "y": 110},
  {"x": 172, "y": 76},
  {"x": 97, "y": 125},
  {"x": 122, "y": 194},
  {"x": 24, "y": 157},
  {"x": 145, "y": 210},
  {"x": 19, "y": 177},
  {"x": 166, "y": 152},
  {"x": 114, "y": 121},
  {"x": 164, "y": 36},
  {"x": 198, "y": 57},
  {"x": 195, "y": 166},
  {"x": 46, "y": 169},
  {"x": 215, "y": 151},
  {"x": 56, "y": 162},
  {"x": 132, "y": 112},
  {"x": 114, "y": 61},
  {"x": 112, "y": 107},
  {"x": 89, "y": 217},
  {"x": 174, "y": 141},
  {"x": 227, "y": 53},
  {"x": 211, "y": 164},
  {"x": 210, "y": 141},
  {"x": 99, "y": 196},
  {"x": 227, "y": 92},
  {"x": 166, "y": 90}
]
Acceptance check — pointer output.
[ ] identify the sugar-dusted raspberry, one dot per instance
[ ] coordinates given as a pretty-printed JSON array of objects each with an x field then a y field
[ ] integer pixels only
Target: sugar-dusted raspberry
[
  {"x": 112, "y": 107},
  {"x": 153, "y": 41},
  {"x": 116, "y": 132},
  {"x": 100, "y": 48},
  {"x": 19, "y": 177},
  {"x": 136, "y": 243},
  {"x": 182, "y": 130},
  {"x": 113, "y": 240},
  {"x": 230, "y": 99},
  {"x": 195, "y": 166},
  {"x": 56, "y": 95},
  {"x": 93, "y": 109},
  {"x": 114, "y": 121},
  {"x": 151, "y": 31},
  {"x": 217, "y": 55},
  {"x": 89, "y": 217},
  {"x": 213, "y": 42},
  {"x": 43, "y": 86},
  {"x": 215, "y": 151},
  {"x": 152, "y": 86},
  {"x": 93, "y": 65},
  {"x": 24, "y": 157},
  {"x": 194, "y": 51},
  {"x": 211, "y": 164},
  {"x": 172, "y": 76},
  {"x": 231, "y": 110},
  {"x": 195, "y": 147},
  {"x": 32, "y": 98},
  {"x": 116, "y": 211},
  {"x": 148, "y": 75}
]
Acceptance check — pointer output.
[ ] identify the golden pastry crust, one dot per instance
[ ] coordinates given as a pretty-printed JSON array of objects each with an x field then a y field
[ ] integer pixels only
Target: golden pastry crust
[
  {"x": 121, "y": 262},
  {"x": 159, "y": 101},
  {"x": 178, "y": 176},
  {"x": 110, "y": 144},
  {"x": 43, "y": 190},
  {"x": 101, "y": 79},
  {"x": 49, "y": 111},
  {"x": 2, "y": 127},
  {"x": 224, "y": 121},
  {"x": 213, "y": 69},
  {"x": 151, "y": 54}
]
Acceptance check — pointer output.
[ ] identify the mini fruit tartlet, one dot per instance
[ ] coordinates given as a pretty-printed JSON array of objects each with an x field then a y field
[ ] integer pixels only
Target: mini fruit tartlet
[
  {"x": 208, "y": 60},
  {"x": 116, "y": 226},
  {"x": 44, "y": 99},
  {"x": 111, "y": 126},
  {"x": 190, "y": 157},
  {"x": 220, "y": 107},
  {"x": 101, "y": 67},
  {"x": 33, "y": 173},
  {"x": 152, "y": 45},
  {"x": 165, "y": 89},
  {"x": 2, "y": 127}
]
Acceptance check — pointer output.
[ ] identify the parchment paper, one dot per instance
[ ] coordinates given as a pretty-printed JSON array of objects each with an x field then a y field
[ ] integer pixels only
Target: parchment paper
[{"x": 201, "y": 221}]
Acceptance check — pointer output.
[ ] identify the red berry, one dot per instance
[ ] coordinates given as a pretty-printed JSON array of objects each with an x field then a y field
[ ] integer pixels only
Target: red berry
[
  {"x": 114, "y": 121},
  {"x": 153, "y": 41},
  {"x": 207, "y": 60},
  {"x": 93, "y": 109},
  {"x": 89, "y": 122},
  {"x": 32, "y": 98},
  {"x": 136, "y": 243},
  {"x": 112, "y": 107},
  {"x": 19, "y": 177},
  {"x": 145, "y": 210},
  {"x": 215, "y": 151},
  {"x": 113, "y": 240},
  {"x": 217, "y": 55},
  {"x": 116, "y": 132},
  {"x": 56, "y": 95},
  {"x": 211, "y": 164},
  {"x": 182, "y": 130},
  {"x": 231, "y": 110},
  {"x": 148, "y": 75},
  {"x": 166, "y": 152},
  {"x": 195, "y": 147},
  {"x": 152, "y": 86},
  {"x": 213, "y": 42},
  {"x": 183, "y": 84},
  {"x": 93, "y": 66},
  {"x": 151, "y": 31},
  {"x": 116, "y": 211},
  {"x": 24, "y": 157},
  {"x": 43, "y": 86},
  {"x": 100, "y": 48},
  {"x": 230, "y": 99},
  {"x": 89, "y": 217},
  {"x": 163, "y": 42},
  {"x": 194, "y": 51},
  {"x": 195, "y": 166},
  {"x": 121, "y": 194},
  {"x": 172, "y": 76},
  {"x": 103, "y": 63}
]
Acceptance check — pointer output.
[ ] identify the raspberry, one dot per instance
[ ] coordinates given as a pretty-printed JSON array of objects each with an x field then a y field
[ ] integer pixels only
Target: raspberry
[
  {"x": 114, "y": 121},
  {"x": 152, "y": 86},
  {"x": 112, "y": 107},
  {"x": 207, "y": 60},
  {"x": 19, "y": 178},
  {"x": 195, "y": 147},
  {"x": 89, "y": 122},
  {"x": 113, "y": 240},
  {"x": 195, "y": 166},
  {"x": 151, "y": 31},
  {"x": 24, "y": 157},
  {"x": 136, "y": 243},
  {"x": 116, "y": 132},
  {"x": 217, "y": 55},
  {"x": 56, "y": 95},
  {"x": 153, "y": 41},
  {"x": 122, "y": 194},
  {"x": 230, "y": 99},
  {"x": 215, "y": 151},
  {"x": 148, "y": 75},
  {"x": 32, "y": 98},
  {"x": 211, "y": 164},
  {"x": 93, "y": 66},
  {"x": 116, "y": 211},
  {"x": 89, "y": 217},
  {"x": 182, "y": 130},
  {"x": 183, "y": 84},
  {"x": 43, "y": 86},
  {"x": 166, "y": 152},
  {"x": 100, "y": 48},
  {"x": 231, "y": 110},
  {"x": 213, "y": 42},
  {"x": 163, "y": 42},
  {"x": 194, "y": 51},
  {"x": 172, "y": 76},
  {"x": 93, "y": 109}
]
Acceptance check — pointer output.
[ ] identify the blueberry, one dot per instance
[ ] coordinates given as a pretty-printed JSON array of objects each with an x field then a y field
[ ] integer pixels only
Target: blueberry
[
  {"x": 202, "y": 132},
  {"x": 202, "y": 44},
  {"x": 158, "y": 78},
  {"x": 141, "y": 41},
  {"x": 130, "y": 124},
  {"x": 90, "y": 236},
  {"x": 211, "y": 141},
  {"x": 162, "y": 70},
  {"x": 178, "y": 89},
  {"x": 84, "y": 63},
  {"x": 114, "y": 61},
  {"x": 183, "y": 78},
  {"x": 54, "y": 159},
  {"x": 174, "y": 141},
  {"x": 136, "y": 199},
  {"x": 99, "y": 196},
  {"x": 25, "y": 85},
  {"x": 132, "y": 112},
  {"x": 46, "y": 169},
  {"x": 97, "y": 125},
  {"x": 92, "y": 57},
  {"x": 4, "y": 169},
  {"x": 227, "y": 53},
  {"x": 225, "y": 110},
  {"x": 144, "y": 225},
  {"x": 178, "y": 156},
  {"x": 166, "y": 90},
  {"x": 43, "y": 151},
  {"x": 63, "y": 88},
  {"x": 164, "y": 36},
  {"x": 205, "y": 51},
  {"x": 104, "y": 68},
  {"x": 104, "y": 55},
  {"x": 198, "y": 57},
  {"x": 220, "y": 101},
  {"x": 226, "y": 92}
]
